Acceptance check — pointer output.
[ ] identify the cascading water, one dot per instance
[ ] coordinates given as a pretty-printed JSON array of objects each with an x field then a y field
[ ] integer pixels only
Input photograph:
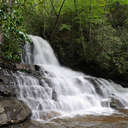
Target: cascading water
[
  {"x": 40, "y": 53},
  {"x": 62, "y": 90}
]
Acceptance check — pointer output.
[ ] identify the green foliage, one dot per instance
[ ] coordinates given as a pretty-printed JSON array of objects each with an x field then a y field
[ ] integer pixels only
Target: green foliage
[
  {"x": 65, "y": 27},
  {"x": 11, "y": 22},
  {"x": 84, "y": 30},
  {"x": 118, "y": 14}
]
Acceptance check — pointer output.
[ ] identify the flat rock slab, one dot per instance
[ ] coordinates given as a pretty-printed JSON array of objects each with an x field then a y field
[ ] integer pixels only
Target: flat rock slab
[
  {"x": 35, "y": 124},
  {"x": 67, "y": 124},
  {"x": 13, "y": 111}
]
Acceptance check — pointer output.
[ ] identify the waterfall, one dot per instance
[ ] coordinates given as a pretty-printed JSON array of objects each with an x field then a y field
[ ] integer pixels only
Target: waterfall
[
  {"x": 62, "y": 91},
  {"x": 40, "y": 53}
]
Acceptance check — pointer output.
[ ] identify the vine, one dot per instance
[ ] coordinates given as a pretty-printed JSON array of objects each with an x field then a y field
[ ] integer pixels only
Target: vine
[{"x": 12, "y": 29}]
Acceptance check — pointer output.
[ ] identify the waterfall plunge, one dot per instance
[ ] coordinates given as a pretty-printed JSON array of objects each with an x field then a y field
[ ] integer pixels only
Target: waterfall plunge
[{"x": 62, "y": 90}]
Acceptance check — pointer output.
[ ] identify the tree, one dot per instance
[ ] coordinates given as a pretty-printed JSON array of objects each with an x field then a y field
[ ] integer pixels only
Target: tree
[{"x": 11, "y": 22}]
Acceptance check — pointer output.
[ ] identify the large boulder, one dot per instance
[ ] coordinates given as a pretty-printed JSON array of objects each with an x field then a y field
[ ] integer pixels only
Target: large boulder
[
  {"x": 13, "y": 111},
  {"x": 6, "y": 90}
]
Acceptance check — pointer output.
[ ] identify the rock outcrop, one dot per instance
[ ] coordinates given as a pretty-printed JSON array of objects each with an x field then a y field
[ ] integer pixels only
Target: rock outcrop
[
  {"x": 16, "y": 114},
  {"x": 13, "y": 111},
  {"x": 116, "y": 103},
  {"x": 6, "y": 88}
]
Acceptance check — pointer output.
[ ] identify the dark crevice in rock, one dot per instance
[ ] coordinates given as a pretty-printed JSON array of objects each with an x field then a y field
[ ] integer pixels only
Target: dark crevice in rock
[{"x": 1, "y": 80}]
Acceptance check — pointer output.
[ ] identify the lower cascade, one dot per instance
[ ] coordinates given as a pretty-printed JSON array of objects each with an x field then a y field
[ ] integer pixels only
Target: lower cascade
[{"x": 61, "y": 91}]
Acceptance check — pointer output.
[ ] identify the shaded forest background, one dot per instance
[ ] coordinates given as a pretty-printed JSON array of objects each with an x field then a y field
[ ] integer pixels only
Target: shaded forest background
[{"x": 88, "y": 35}]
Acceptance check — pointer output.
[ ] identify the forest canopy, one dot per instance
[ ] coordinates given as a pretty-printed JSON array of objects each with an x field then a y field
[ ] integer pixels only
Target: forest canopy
[{"x": 93, "y": 32}]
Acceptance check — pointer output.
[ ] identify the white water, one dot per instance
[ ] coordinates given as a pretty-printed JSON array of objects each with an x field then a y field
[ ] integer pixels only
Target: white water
[
  {"x": 41, "y": 53},
  {"x": 62, "y": 90}
]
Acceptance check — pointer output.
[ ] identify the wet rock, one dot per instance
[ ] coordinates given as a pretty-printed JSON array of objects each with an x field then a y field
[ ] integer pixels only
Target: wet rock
[
  {"x": 35, "y": 124},
  {"x": 13, "y": 111},
  {"x": 52, "y": 114},
  {"x": 32, "y": 70},
  {"x": 97, "y": 85},
  {"x": 37, "y": 68},
  {"x": 6, "y": 86},
  {"x": 26, "y": 67},
  {"x": 54, "y": 95},
  {"x": 6, "y": 79},
  {"x": 112, "y": 121},
  {"x": 7, "y": 91},
  {"x": 7, "y": 65},
  {"x": 49, "y": 115},
  {"x": 116, "y": 103},
  {"x": 105, "y": 102},
  {"x": 36, "y": 74}
]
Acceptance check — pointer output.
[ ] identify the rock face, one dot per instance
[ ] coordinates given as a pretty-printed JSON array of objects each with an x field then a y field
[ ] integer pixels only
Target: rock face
[
  {"x": 49, "y": 115},
  {"x": 6, "y": 90},
  {"x": 112, "y": 121},
  {"x": 35, "y": 124},
  {"x": 115, "y": 103},
  {"x": 26, "y": 67},
  {"x": 6, "y": 84},
  {"x": 16, "y": 114},
  {"x": 13, "y": 111},
  {"x": 96, "y": 83}
]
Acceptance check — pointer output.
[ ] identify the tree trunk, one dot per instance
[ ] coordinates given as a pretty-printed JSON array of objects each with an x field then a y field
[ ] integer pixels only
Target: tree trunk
[{"x": 57, "y": 19}]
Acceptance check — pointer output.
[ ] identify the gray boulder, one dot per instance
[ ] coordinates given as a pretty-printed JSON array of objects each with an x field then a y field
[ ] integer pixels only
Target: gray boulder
[{"x": 13, "y": 111}]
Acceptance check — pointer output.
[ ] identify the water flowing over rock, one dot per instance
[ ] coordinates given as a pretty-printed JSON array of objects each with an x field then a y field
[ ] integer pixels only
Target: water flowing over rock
[
  {"x": 39, "y": 52},
  {"x": 57, "y": 89},
  {"x": 12, "y": 110}
]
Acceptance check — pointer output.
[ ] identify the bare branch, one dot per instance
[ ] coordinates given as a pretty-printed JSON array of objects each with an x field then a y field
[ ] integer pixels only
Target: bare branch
[
  {"x": 57, "y": 19},
  {"x": 51, "y": 1}
]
